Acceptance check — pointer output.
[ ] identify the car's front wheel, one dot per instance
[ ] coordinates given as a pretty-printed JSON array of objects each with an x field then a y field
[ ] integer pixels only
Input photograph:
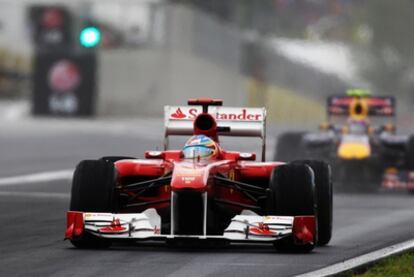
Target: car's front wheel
[
  {"x": 292, "y": 194},
  {"x": 323, "y": 186},
  {"x": 93, "y": 190}
]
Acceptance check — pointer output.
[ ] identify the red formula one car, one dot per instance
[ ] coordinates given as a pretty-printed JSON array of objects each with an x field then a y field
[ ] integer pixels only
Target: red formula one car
[{"x": 202, "y": 192}]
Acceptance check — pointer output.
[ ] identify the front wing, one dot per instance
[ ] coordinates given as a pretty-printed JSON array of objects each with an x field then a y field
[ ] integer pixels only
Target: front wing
[{"x": 146, "y": 226}]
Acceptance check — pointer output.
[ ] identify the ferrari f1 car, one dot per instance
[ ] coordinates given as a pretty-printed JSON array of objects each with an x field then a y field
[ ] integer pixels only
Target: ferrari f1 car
[
  {"x": 359, "y": 141},
  {"x": 202, "y": 192}
]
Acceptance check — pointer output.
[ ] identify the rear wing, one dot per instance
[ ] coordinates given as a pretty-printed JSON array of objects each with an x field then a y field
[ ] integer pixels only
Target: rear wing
[
  {"x": 243, "y": 122},
  {"x": 377, "y": 106}
]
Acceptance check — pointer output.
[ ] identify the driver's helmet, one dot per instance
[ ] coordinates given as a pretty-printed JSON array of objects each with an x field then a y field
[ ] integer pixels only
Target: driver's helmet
[{"x": 200, "y": 146}]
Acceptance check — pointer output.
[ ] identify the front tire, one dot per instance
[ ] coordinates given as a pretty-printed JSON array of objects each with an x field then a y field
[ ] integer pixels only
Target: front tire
[
  {"x": 93, "y": 190},
  {"x": 323, "y": 186},
  {"x": 292, "y": 193}
]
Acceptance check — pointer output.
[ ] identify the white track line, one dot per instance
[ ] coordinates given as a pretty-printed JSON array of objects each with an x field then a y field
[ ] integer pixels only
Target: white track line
[
  {"x": 37, "y": 178},
  {"x": 361, "y": 260},
  {"x": 35, "y": 194}
]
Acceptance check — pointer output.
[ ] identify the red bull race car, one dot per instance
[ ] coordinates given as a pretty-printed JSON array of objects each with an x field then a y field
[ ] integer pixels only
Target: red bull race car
[
  {"x": 359, "y": 141},
  {"x": 202, "y": 192}
]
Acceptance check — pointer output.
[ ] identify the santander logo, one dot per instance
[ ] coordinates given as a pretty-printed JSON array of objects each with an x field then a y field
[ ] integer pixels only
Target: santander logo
[
  {"x": 236, "y": 115},
  {"x": 178, "y": 114},
  {"x": 115, "y": 227}
]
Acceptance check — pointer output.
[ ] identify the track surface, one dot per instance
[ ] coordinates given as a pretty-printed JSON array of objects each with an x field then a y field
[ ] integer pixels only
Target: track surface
[{"x": 33, "y": 214}]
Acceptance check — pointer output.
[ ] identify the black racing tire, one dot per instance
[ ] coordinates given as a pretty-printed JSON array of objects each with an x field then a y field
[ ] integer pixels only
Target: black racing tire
[
  {"x": 93, "y": 190},
  {"x": 289, "y": 147},
  {"x": 292, "y": 193},
  {"x": 114, "y": 159},
  {"x": 323, "y": 185},
  {"x": 410, "y": 157},
  {"x": 410, "y": 153}
]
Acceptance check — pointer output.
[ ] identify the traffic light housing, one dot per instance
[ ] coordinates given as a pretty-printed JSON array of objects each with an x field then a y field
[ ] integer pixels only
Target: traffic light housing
[{"x": 51, "y": 26}]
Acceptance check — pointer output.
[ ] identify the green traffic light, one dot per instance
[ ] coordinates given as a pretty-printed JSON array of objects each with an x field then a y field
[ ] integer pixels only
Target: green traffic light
[{"x": 90, "y": 37}]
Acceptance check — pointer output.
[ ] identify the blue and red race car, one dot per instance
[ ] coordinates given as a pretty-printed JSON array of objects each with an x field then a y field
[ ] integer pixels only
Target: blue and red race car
[{"x": 359, "y": 141}]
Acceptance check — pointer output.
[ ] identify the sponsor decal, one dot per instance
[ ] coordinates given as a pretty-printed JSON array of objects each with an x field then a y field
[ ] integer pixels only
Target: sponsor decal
[
  {"x": 341, "y": 100},
  {"x": 52, "y": 18},
  {"x": 242, "y": 115},
  {"x": 232, "y": 175},
  {"x": 278, "y": 219},
  {"x": 337, "y": 110},
  {"x": 262, "y": 229},
  {"x": 87, "y": 215},
  {"x": 64, "y": 78},
  {"x": 379, "y": 102},
  {"x": 190, "y": 174},
  {"x": 188, "y": 179},
  {"x": 94, "y": 215},
  {"x": 115, "y": 227},
  {"x": 178, "y": 114},
  {"x": 386, "y": 111},
  {"x": 52, "y": 21}
]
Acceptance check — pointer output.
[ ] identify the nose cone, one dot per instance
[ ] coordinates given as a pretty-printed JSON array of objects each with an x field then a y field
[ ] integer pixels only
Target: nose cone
[
  {"x": 354, "y": 151},
  {"x": 189, "y": 175}
]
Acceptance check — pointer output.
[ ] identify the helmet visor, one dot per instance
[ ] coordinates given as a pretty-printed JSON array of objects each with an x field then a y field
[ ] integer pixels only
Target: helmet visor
[{"x": 197, "y": 151}]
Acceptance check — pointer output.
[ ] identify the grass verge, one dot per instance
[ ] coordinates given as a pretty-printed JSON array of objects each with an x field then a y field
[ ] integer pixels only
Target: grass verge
[{"x": 401, "y": 266}]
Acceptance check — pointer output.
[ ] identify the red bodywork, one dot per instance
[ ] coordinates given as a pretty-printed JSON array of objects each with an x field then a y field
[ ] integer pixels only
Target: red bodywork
[
  {"x": 185, "y": 192},
  {"x": 194, "y": 174}
]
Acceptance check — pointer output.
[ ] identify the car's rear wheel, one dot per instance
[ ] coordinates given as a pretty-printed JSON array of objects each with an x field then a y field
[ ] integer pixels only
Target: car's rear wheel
[
  {"x": 93, "y": 190},
  {"x": 323, "y": 186},
  {"x": 292, "y": 193},
  {"x": 410, "y": 157},
  {"x": 410, "y": 153}
]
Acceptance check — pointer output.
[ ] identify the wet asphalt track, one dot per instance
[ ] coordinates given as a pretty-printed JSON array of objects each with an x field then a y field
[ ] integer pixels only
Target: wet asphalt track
[{"x": 32, "y": 215}]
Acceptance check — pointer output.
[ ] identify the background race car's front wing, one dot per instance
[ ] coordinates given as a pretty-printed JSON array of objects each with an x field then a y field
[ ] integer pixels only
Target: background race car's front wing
[{"x": 146, "y": 225}]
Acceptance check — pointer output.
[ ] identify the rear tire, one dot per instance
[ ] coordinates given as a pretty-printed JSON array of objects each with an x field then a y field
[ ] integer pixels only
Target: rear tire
[
  {"x": 292, "y": 193},
  {"x": 289, "y": 147},
  {"x": 93, "y": 190},
  {"x": 410, "y": 157},
  {"x": 410, "y": 153},
  {"x": 323, "y": 185}
]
